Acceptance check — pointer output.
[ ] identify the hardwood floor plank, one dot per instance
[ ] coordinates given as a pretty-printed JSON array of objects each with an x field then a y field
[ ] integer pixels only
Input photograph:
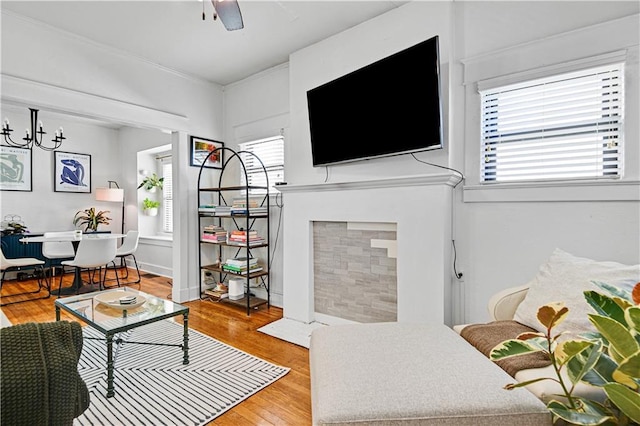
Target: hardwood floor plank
[{"x": 285, "y": 402}]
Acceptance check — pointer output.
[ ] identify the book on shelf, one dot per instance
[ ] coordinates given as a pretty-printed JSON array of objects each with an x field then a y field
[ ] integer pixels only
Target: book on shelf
[
  {"x": 241, "y": 261},
  {"x": 240, "y": 237},
  {"x": 242, "y": 201},
  {"x": 217, "y": 294},
  {"x": 243, "y": 271},
  {"x": 244, "y": 243},
  {"x": 214, "y": 233},
  {"x": 206, "y": 208}
]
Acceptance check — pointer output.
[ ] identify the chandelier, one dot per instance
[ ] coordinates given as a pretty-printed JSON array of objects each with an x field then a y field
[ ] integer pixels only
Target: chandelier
[{"x": 33, "y": 137}]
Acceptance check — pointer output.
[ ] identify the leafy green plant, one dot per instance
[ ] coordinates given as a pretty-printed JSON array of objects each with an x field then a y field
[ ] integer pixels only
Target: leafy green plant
[
  {"x": 150, "y": 204},
  {"x": 151, "y": 182},
  {"x": 90, "y": 219},
  {"x": 608, "y": 358},
  {"x": 14, "y": 228}
]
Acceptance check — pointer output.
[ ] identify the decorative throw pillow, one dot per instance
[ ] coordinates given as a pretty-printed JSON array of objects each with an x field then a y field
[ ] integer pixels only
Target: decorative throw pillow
[{"x": 564, "y": 278}]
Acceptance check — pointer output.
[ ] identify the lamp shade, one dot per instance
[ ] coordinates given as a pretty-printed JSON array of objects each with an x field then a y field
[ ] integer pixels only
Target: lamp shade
[{"x": 115, "y": 195}]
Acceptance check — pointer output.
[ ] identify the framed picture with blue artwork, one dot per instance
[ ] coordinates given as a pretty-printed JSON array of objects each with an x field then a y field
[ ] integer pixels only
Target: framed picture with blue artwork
[
  {"x": 71, "y": 172},
  {"x": 15, "y": 168}
]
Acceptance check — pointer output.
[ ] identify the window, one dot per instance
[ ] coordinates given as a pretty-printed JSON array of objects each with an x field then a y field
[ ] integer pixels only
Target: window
[
  {"x": 167, "y": 194},
  {"x": 566, "y": 126},
  {"x": 271, "y": 152}
]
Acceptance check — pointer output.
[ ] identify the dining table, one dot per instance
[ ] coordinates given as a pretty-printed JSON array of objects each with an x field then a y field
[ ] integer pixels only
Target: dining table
[{"x": 75, "y": 242}]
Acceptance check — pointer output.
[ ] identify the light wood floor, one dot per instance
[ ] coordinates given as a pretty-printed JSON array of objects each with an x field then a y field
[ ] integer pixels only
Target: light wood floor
[{"x": 286, "y": 402}]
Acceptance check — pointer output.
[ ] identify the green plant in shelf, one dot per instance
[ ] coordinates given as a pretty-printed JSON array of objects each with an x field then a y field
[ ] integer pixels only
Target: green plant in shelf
[
  {"x": 151, "y": 182},
  {"x": 150, "y": 204}
]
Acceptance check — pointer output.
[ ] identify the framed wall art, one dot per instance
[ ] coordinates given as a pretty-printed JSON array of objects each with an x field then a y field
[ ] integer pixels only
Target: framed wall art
[
  {"x": 15, "y": 169},
  {"x": 200, "y": 149},
  {"x": 71, "y": 172}
]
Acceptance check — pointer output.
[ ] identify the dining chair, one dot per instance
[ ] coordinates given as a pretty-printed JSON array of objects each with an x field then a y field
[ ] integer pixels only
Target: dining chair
[
  {"x": 128, "y": 249},
  {"x": 55, "y": 250},
  {"x": 21, "y": 263},
  {"x": 93, "y": 254}
]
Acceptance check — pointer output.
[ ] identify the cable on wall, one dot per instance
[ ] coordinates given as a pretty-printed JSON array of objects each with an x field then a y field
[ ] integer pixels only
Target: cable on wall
[
  {"x": 442, "y": 167},
  {"x": 455, "y": 258},
  {"x": 275, "y": 243}
]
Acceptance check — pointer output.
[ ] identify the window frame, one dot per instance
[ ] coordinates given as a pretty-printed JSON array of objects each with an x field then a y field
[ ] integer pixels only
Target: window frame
[
  {"x": 515, "y": 65},
  {"x": 167, "y": 208},
  {"x": 278, "y": 168},
  {"x": 511, "y": 127}
]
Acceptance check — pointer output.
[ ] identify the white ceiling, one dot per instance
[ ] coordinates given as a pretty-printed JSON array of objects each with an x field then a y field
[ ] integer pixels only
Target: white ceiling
[{"x": 173, "y": 34}]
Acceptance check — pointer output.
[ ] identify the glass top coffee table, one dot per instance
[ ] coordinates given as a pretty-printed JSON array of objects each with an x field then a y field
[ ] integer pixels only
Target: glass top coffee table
[{"x": 111, "y": 312}]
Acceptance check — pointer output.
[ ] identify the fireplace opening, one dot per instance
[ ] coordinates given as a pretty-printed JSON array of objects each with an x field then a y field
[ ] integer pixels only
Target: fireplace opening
[{"x": 354, "y": 270}]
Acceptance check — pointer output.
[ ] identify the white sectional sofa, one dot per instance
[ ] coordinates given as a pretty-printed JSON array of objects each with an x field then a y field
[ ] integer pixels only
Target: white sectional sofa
[
  {"x": 417, "y": 374},
  {"x": 388, "y": 374}
]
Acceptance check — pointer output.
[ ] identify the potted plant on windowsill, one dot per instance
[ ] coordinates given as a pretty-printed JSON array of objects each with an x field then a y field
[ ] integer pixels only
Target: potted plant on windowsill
[
  {"x": 150, "y": 207},
  {"x": 90, "y": 219},
  {"x": 608, "y": 358},
  {"x": 150, "y": 183}
]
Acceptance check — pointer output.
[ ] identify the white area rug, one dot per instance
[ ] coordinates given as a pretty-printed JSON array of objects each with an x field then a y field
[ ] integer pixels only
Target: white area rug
[
  {"x": 291, "y": 331},
  {"x": 152, "y": 385}
]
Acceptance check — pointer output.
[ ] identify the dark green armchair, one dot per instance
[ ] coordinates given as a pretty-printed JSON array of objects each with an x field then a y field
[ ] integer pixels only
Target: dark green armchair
[{"x": 39, "y": 374}]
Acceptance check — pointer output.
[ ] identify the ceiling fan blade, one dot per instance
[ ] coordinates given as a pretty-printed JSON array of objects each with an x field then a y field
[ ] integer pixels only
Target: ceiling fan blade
[{"x": 229, "y": 13}]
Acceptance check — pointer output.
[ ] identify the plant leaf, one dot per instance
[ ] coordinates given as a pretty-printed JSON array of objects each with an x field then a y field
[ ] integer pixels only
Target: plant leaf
[
  {"x": 584, "y": 361},
  {"x": 625, "y": 399},
  {"x": 632, "y": 316},
  {"x": 552, "y": 314},
  {"x": 602, "y": 372},
  {"x": 628, "y": 372},
  {"x": 528, "y": 335},
  {"x": 605, "y": 306},
  {"x": 613, "y": 290},
  {"x": 588, "y": 413},
  {"x": 512, "y": 386},
  {"x": 510, "y": 348},
  {"x": 569, "y": 348},
  {"x": 618, "y": 336}
]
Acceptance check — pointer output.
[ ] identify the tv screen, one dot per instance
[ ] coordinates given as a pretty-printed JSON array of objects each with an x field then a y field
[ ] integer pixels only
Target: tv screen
[{"x": 389, "y": 107}]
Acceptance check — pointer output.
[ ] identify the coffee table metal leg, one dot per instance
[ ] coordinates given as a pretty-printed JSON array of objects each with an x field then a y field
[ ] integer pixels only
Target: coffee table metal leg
[
  {"x": 110, "y": 391},
  {"x": 57, "y": 313},
  {"x": 185, "y": 343}
]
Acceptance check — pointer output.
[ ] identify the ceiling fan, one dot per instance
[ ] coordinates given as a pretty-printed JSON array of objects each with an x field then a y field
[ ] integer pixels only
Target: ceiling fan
[{"x": 229, "y": 13}]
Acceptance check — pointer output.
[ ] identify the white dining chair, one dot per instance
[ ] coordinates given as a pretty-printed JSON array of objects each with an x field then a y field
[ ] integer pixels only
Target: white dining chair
[
  {"x": 57, "y": 250},
  {"x": 21, "y": 263},
  {"x": 128, "y": 249},
  {"x": 93, "y": 254}
]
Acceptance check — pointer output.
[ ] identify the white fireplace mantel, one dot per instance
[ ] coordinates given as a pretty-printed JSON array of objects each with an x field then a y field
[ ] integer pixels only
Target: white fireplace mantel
[
  {"x": 420, "y": 206},
  {"x": 449, "y": 179}
]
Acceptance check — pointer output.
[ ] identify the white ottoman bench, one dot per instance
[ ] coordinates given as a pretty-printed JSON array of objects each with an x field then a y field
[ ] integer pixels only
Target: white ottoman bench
[{"x": 411, "y": 374}]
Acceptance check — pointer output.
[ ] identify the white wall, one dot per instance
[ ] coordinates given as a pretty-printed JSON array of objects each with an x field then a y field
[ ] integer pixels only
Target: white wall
[
  {"x": 504, "y": 233},
  {"x": 153, "y": 255},
  {"x": 346, "y": 52},
  {"x": 500, "y": 243},
  {"x": 42, "y": 209},
  {"x": 51, "y": 69},
  {"x": 256, "y": 108}
]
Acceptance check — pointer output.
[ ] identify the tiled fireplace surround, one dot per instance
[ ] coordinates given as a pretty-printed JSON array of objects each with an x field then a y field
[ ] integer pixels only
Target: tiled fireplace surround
[{"x": 420, "y": 208}]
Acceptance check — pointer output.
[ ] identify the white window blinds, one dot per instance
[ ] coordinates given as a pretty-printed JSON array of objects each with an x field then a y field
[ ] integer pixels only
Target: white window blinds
[
  {"x": 167, "y": 195},
  {"x": 271, "y": 152},
  {"x": 567, "y": 126}
]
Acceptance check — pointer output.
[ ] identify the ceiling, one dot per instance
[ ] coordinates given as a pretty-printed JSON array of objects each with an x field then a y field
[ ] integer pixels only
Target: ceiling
[{"x": 173, "y": 34}]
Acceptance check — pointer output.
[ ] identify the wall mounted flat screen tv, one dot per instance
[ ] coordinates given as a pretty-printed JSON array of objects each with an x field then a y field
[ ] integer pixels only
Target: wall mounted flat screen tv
[{"x": 389, "y": 107}]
